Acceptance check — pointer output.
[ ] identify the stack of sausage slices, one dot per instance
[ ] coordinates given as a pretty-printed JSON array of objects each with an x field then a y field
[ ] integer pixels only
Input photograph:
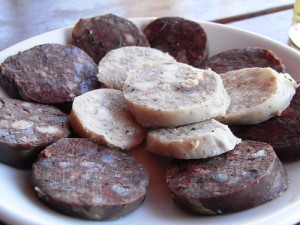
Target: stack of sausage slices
[
  {"x": 157, "y": 86},
  {"x": 184, "y": 111}
]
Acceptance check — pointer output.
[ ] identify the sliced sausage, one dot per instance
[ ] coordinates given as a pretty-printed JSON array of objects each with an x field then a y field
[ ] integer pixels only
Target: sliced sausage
[
  {"x": 184, "y": 39},
  {"x": 98, "y": 35},
  {"x": 240, "y": 179},
  {"x": 295, "y": 103},
  {"x": 49, "y": 73},
  {"x": 173, "y": 94},
  {"x": 193, "y": 141},
  {"x": 257, "y": 94},
  {"x": 235, "y": 59},
  {"x": 82, "y": 179},
  {"x": 103, "y": 115},
  {"x": 281, "y": 132},
  {"x": 26, "y": 128},
  {"x": 115, "y": 66}
]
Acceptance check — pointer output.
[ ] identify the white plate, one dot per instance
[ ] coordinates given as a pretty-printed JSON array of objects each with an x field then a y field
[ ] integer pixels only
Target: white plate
[{"x": 18, "y": 204}]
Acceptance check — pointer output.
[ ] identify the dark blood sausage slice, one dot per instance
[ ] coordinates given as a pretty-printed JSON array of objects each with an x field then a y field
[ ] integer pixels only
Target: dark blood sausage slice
[
  {"x": 49, "y": 74},
  {"x": 80, "y": 178},
  {"x": 282, "y": 132},
  {"x": 240, "y": 179},
  {"x": 295, "y": 103},
  {"x": 235, "y": 59},
  {"x": 27, "y": 128},
  {"x": 98, "y": 35},
  {"x": 184, "y": 39}
]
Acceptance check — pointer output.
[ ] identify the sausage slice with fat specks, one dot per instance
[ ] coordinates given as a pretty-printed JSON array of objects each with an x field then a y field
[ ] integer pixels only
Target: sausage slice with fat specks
[
  {"x": 282, "y": 132},
  {"x": 49, "y": 74},
  {"x": 115, "y": 66},
  {"x": 235, "y": 59},
  {"x": 27, "y": 128},
  {"x": 193, "y": 141},
  {"x": 103, "y": 116},
  {"x": 257, "y": 94},
  {"x": 248, "y": 176},
  {"x": 98, "y": 35},
  {"x": 80, "y": 178},
  {"x": 184, "y": 39},
  {"x": 173, "y": 94}
]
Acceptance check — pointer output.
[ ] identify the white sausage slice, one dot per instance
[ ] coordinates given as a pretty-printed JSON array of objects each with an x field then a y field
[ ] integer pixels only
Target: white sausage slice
[
  {"x": 199, "y": 140},
  {"x": 103, "y": 115},
  {"x": 257, "y": 94},
  {"x": 172, "y": 94},
  {"x": 114, "y": 67}
]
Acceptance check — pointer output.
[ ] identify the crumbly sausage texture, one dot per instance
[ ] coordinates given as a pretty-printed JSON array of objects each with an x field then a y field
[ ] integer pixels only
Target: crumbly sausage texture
[
  {"x": 235, "y": 59},
  {"x": 184, "y": 39},
  {"x": 98, "y": 35},
  {"x": 103, "y": 115},
  {"x": 80, "y": 178},
  {"x": 198, "y": 140},
  {"x": 26, "y": 128},
  {"x": 248, "y": 176},
  {"x": 115, "y": 66},
  {"x": 257, "y": 94},
  {"x": 172, "y": 94},
  {"x": 49, "y": 73}
]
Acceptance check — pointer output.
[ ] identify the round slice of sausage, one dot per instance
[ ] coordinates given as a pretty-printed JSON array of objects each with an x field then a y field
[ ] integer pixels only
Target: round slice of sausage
[
  {"x": 192, "y": 141},
  {"x": 103, "y": 115},
  {"x": 115, "y": 66},
  {"x": 27, "y": 128},
  {"x": 248, "y": 176},
  {"x": 49, "y": 73},
  {"x": 98, "y": 35},
  {"x": 82, "y": 179},
  {"x": 184, "y": 39},
  {"x": 282, "y": 132},
  {"x": 235, "y": 59},
  {"x": 173, "y": 94},
  {"x": 257, "y": 94}
]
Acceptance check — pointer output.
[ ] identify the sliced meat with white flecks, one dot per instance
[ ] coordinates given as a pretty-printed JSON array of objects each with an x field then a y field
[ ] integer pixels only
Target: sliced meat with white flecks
[
  {"x": 245, "y": 177},
  {"x": 26, "y": 128},
  {"x": 172, "y": 94},
  {"x": 114, "y": 67},
  {"x": 257, "y": 94},
  {"x": 103, "y": 115},
  {"x": 49, "y": 74},
  {"x": 80, "y": 178},
  {"x": 282, "y": 132},
  {"x": 198, "y": 140},
  {"x": 185, "y": 40},
  {"x": 240, "y": 58},
  {"x": 98, "y": 35}
]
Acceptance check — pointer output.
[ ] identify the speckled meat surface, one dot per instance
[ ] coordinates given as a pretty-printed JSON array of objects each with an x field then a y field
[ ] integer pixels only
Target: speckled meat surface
[
  {"x": 235, "y": 59},
  {"x": 184, "y": 39},
  {"x": 49, "y": 73},
  {"x": 26, "y": 128},
  {"x": 243, "y": 178},
  {"x": 98, "y": 35},
  {"x": 295, "y": 103},
  {"x": 83, "y": 179},
  {"x": 282, "y": 132}
]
